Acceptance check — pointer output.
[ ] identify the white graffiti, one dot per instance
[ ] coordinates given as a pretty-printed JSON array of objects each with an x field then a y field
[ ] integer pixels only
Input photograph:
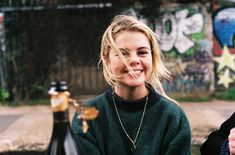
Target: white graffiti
[{"x": 181, "y": 26}]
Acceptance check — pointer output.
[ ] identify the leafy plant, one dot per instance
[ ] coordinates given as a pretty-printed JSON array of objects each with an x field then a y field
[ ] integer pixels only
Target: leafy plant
[{"x": 4, "y": 94}]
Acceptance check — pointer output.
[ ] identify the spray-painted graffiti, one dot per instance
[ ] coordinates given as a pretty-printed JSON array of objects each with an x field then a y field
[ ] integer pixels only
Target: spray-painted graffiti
[
  {"x": 182, "y": 31},
  {"x": 176, "y": 29},
  {"x": 224, "y": 30},
  {"x": 224, "y": 46},
  {"x": 193, "y": 73},
  {"x": 225, "y": 62},
  {"x": 224, "y": 26}
]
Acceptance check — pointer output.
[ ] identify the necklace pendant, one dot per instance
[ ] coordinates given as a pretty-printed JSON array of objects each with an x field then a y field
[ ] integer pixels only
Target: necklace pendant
[{"x": 133, "y": 148}]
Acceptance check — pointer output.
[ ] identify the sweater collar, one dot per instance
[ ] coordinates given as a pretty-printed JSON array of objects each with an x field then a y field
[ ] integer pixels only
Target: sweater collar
[{"x": 136, "y": 105}]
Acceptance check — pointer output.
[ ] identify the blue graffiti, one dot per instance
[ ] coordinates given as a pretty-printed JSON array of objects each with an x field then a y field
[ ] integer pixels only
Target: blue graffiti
[{"x": 224, "y": 26}]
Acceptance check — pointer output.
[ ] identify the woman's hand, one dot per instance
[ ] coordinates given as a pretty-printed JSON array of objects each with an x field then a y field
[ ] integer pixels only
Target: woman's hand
[{"x": 231, "y": 140}]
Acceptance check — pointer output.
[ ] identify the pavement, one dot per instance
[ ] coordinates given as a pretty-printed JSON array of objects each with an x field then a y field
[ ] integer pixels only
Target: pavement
[{"x": 29, "y": 127}]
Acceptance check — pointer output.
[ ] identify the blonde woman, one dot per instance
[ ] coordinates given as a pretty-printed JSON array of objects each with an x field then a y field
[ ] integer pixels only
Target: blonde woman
[{"x": 135, "y": 115}]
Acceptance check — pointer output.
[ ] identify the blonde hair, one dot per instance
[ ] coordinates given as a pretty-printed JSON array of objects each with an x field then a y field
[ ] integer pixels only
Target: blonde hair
[{"x": 127, "y": 23}]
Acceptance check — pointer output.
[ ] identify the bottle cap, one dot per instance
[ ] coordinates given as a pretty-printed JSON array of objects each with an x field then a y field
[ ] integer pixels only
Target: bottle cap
[
  {"x": 57, "y": 86},
  {"x": 59, "y": 95}
]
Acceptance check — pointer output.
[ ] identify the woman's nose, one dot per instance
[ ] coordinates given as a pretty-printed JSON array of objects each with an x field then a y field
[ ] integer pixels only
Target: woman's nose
[{"x": 134, "y": 59}]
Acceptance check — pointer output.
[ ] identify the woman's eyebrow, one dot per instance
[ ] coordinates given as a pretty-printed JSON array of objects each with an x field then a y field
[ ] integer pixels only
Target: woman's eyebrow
[
  {"x": 145, "y": 48},
  {"x": 139, "y": 48},
  {"x": 124, "y": 49}
]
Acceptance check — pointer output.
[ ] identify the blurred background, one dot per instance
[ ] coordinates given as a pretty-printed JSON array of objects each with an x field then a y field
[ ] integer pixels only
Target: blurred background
[{"x": 47, "y": 40}]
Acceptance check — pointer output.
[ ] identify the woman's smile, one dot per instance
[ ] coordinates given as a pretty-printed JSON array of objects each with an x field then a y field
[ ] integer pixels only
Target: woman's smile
[{"x": 135, "y": 48}]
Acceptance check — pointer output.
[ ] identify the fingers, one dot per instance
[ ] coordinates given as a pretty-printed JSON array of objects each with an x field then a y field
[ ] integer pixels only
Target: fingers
[{"x": 231, "y": 139}]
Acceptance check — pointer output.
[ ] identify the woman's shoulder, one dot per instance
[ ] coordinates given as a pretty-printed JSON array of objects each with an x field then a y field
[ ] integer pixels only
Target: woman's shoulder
[
  {"x": 170, "y": 106},
  {"x": 167, "y": 102}
]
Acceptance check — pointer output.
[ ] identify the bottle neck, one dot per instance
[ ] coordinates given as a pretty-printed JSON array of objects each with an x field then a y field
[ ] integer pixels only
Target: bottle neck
[
  {"x": 61, "y": 124},
  {"x": 61, "y": 116}
]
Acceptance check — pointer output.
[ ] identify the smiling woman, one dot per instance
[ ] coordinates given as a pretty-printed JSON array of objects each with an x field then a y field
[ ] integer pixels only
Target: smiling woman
[
  {"x": 135, "y": 47},
  {"x": 135, "y": 114}
]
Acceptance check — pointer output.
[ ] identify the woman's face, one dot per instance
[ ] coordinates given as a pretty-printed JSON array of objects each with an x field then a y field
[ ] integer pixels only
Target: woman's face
[{"x": 136, "y": 49}]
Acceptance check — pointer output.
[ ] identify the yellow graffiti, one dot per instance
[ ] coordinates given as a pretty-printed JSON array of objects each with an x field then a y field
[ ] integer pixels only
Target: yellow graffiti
[
  {"x": 226, "y": 59},
  {"x": 225, "y": 79}
]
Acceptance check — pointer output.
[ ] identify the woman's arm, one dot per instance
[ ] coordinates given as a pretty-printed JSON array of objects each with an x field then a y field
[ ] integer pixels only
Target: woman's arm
[{"x": 86, "y": 141}]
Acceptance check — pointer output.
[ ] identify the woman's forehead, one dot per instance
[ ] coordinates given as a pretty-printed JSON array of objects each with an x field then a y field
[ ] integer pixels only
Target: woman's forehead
[{"x": 129, "y": 39}]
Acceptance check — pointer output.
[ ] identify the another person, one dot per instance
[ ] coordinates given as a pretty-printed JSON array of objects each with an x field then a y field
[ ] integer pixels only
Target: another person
[
  {"x": 221, "y": 141},
  {"x": 135, "y": 115}
]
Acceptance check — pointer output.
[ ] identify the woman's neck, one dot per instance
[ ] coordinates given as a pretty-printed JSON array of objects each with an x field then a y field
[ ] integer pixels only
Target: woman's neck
[{"x": 131, "y": 93}]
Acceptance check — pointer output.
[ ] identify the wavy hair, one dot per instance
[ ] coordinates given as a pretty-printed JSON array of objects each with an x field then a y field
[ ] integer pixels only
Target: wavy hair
[{"x": 128, "y": 23}]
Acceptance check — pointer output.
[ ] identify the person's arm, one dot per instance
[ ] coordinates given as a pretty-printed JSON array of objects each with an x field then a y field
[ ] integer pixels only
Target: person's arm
[
  {"x": 86, "y": 141},
  {"x": 180, "y": 142},
  {"x": 214, "y": 142},
  {"x": 217, "y": 141}
]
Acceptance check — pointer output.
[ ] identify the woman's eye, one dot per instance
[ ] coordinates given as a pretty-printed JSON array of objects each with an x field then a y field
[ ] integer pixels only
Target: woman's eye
[
  {"x": 142, "y": 53},
  {"x": 124, "y": 53}
]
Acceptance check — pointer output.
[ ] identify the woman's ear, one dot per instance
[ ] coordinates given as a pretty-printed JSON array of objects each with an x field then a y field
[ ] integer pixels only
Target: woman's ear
[{"x": 106, "y": 60}]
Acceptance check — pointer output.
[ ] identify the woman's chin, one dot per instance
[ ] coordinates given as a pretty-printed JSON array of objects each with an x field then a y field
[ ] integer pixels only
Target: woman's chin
[{"x": 135, "y": 83}]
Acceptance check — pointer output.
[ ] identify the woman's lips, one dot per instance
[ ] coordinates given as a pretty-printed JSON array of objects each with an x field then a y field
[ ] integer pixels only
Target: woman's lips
[{"x": 137, "y": 72}]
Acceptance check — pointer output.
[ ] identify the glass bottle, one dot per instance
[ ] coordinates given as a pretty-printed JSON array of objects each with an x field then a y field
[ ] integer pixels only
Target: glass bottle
[{"x": 62, "y": 141}]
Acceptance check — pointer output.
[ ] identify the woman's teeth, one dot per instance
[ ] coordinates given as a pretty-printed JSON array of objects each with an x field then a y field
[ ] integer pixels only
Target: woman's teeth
[{"x": 138, "y": 71}]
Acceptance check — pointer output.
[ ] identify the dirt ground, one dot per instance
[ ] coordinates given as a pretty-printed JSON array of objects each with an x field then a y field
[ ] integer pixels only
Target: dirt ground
[
  {"x": 205, "y": 117},
  {"x": 29, "y": 127}
]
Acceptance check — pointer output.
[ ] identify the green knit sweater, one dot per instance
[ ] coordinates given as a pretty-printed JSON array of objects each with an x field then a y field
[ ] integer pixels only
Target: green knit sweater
[{"x": 165, "y": 129}]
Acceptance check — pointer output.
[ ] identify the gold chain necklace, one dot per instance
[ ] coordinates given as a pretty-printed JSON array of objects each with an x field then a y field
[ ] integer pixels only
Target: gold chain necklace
[{"x": 123, "y": 128}]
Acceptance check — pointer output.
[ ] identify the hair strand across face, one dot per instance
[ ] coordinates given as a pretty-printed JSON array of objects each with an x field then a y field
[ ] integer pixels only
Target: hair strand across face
[{"x": 127, "y": 23}]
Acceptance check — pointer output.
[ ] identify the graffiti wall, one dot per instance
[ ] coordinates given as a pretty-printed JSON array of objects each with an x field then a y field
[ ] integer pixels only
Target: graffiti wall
[
  {"x": 224, "y": 46},
  {"x": 177, "y": 27},
  {"x": 186, "y": 42}
]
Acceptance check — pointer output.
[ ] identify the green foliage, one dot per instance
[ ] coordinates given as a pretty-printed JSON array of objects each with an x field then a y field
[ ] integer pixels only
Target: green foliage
[
  {"x": 4, "y": 94},
  {"x": 223, "y": 95},
  {"x": 193, "y": 99},
  {"x": 226, "y": 95}
]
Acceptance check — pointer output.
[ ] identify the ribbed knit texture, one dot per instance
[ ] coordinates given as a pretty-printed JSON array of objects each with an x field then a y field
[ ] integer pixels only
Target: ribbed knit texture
[{"x": 165, "y": 129}]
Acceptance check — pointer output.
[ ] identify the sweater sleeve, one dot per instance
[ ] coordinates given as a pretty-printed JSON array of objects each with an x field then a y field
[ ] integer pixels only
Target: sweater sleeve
[
  {"x": 213, "y": 144},
  {"x": 179, "y": 135},
  {"x": 86, "y": 141}
]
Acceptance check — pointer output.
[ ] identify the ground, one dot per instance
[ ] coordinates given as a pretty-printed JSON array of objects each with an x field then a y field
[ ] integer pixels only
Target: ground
[{"x": 29, "y": 127}]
